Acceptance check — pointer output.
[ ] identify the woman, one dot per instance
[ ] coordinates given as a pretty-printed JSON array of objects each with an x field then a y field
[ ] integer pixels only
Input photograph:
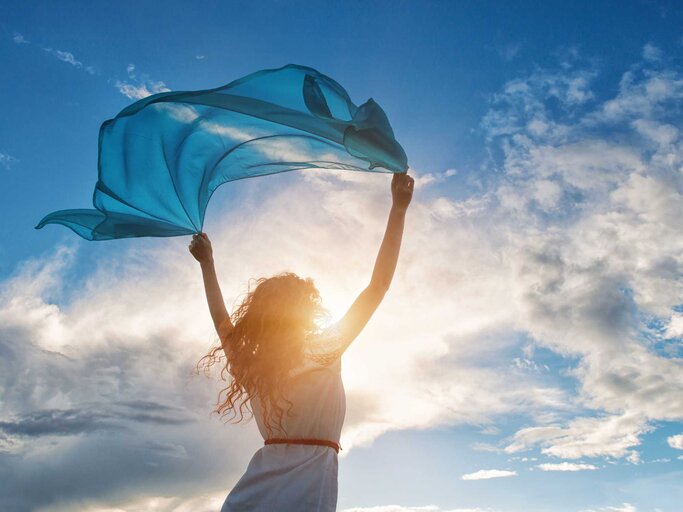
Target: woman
[{"x": 290, "y": 374}]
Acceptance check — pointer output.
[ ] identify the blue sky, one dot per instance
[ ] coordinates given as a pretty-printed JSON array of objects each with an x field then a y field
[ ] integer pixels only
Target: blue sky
[{"x": 534, "y": 323}]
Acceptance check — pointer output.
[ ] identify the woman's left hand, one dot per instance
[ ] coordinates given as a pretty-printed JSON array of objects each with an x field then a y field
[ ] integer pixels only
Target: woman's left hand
[{"x": 201, "y": 249}]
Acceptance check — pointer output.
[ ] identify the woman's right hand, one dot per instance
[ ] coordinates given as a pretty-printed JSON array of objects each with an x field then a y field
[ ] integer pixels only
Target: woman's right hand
[{"x": 402, "y": 190}]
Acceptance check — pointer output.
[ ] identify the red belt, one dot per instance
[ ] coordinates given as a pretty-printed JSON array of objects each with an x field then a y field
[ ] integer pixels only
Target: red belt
[{"x": 319, "y": 442}]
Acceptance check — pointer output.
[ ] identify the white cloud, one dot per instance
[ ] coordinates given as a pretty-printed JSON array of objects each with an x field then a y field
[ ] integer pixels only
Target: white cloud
[
  {"x": 140, "y": 90},
  {"x": 674, "y": 328},
  {"x": 651, "y": 52},
  {"x": 594, "y": 240},
  {"x": 75, "y": 385},
  {"x": 431, "y": 177},
  {"x": 19, "y": 39},
  {"x": 67, "y": 57},
  {"x": 633, "y": 457},
  {"x": 646, "y": 94},
  {"x": 509, "y": 51},
  {"x": 7, "y": 160},
  {"x": 485, "y": 447},
  {"x": 676, "y": 441},
  {"x": 592, "y": 437},
  {"x": 139, "y": 86},
  {"x": 661, "y": 134},
  {"x": 61, "y": 55},
  {"x": 486, "y": 474},
  {"x": 521, "y": 106},
  {"x": 566, "y": 466},
  {"x": 626, "y": 507},
  {"x": 399, "y": 508}
]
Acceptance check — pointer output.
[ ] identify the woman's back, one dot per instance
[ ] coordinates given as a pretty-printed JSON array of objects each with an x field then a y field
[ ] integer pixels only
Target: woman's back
[
  {"x": 297, "y": 476},
  {"x": 318, "y": 404}
]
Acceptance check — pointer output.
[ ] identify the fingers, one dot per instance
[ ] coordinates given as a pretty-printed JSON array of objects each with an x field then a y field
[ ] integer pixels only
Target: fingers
[
  {"x": 200, "y": 241},
  {"x": 398, "y": 178},
  {"x": 193, "y": 243},
  {"x": 403, "y": 180}
]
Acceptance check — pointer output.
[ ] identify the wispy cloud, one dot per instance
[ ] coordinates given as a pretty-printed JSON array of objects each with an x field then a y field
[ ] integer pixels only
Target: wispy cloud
[
  {"x": 652, "y": 52},
  {"x": 139, "y": 86},
  {"x": 593, "y": 436},
  {"x": 62, "y": 55},
  {"x": 625, "y": 507},
  {"x": 7, "y": 160},
  {"x": 509, "y": 51},
  {"x": 433, "y": 177},
  {"x": 566, "y": 466},
  {"x": 69, "y": 58},
  {"x": 19, "y": 39},
  {"x": 139, "y": 91},
  {"x": 486, "y": 447},
  {"x": 486, "y": 474}
]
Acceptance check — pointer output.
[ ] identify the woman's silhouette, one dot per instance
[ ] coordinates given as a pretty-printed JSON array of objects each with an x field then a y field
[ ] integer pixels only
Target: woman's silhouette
[{"x": 289, "y": 374}]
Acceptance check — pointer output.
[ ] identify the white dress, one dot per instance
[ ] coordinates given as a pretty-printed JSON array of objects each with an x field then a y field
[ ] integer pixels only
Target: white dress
[{"x": 295, "y": 477}]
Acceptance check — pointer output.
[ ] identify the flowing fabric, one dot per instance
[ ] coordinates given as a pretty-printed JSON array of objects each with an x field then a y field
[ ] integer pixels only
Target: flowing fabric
[{"x": 161, "y": 158}]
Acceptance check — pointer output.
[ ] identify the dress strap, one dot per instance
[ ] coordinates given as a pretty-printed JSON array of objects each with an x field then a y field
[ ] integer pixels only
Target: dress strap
[{"x": 319, "y": 442}]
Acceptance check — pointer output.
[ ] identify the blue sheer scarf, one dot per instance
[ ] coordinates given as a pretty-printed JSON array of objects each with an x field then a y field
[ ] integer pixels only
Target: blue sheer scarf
[{"x": 161, "y": 158}]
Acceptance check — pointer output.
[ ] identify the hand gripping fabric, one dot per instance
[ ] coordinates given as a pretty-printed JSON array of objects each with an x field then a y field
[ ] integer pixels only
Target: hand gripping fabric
[{"x": 161, "y": 158}]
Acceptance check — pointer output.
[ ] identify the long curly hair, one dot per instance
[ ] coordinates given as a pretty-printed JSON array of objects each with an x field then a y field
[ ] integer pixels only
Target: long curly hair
[{"x": 267, "y": 342}]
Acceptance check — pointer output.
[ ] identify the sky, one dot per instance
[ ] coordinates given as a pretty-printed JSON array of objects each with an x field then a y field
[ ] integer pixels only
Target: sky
[{"x": 528, "y": 356}]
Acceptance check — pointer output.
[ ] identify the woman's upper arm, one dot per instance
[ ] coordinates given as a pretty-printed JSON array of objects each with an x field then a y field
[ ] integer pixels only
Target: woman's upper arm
[
  {"x": 224, "y": 329},
  {"x": 327, "y": 347},
  {"x": 360, "y": 312}
]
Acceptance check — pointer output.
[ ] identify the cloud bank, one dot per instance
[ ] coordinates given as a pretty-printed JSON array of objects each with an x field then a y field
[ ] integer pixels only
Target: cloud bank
[{"x": 571, "y": 245}]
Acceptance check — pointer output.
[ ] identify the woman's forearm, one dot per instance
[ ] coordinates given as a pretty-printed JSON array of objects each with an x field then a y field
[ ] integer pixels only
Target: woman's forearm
[
  {"x": 385, "y": 265},
  {"x": 214, "y": 297}
]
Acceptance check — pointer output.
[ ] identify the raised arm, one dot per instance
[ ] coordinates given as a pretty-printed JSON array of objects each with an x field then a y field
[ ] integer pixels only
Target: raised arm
[
  {"x": 365, "y": 305},
  {"x": 201, "y": 249}
]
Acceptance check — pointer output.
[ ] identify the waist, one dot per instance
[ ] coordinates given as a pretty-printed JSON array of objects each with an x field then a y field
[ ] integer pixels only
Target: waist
[{"x": 317, "y": 442}]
